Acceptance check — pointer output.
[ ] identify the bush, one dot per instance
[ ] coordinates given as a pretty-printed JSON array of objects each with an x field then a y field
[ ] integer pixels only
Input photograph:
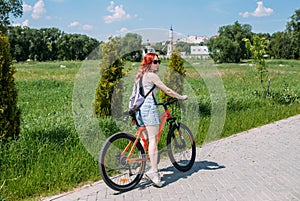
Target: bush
[
  {"x": 108, "y": 126},
  {"x": 9, "y": 111},
  {"x": 174, "y": 78},
  {"x": 111, "y": 68},
  {"x": 285, "y": 96}
]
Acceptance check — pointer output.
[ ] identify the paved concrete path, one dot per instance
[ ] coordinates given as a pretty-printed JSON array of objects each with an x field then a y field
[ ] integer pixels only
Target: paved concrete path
[{"x": 259, "y": 164}]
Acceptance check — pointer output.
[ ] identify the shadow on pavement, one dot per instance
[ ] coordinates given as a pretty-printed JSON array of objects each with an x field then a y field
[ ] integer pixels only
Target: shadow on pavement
[{"x": 171, "y": 174}]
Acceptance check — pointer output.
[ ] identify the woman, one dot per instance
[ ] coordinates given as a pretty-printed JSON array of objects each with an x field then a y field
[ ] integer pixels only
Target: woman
[{"x": 148, "y": 111}]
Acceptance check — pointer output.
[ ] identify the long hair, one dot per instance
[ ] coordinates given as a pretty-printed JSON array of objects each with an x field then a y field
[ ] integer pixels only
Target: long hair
[{"x": 145, "y": 65}]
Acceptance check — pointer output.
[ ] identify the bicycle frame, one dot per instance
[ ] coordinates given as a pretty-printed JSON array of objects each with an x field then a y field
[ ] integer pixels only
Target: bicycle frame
[
  {"x": 165, "y": 116},
  {"x": 123, "y": 158}
]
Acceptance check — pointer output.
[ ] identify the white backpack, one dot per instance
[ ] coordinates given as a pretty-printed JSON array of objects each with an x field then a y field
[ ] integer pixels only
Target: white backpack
[{"x": 137, "y": 98}]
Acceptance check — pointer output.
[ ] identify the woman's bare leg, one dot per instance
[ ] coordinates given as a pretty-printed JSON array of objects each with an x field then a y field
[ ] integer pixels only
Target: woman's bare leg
[{"x": 153, "y": 150}]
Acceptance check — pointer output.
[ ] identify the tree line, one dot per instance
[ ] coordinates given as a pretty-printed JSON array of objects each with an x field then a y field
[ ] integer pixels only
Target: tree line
[
  {"x": 229, "y": 46},
  {"x": 48, "y": 44}
]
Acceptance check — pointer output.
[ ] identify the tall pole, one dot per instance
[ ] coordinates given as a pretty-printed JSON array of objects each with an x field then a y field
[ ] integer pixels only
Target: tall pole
[{"x": 170, "y": 45}]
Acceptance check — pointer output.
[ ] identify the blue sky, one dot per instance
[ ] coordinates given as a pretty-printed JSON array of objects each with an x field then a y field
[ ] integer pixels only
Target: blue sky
[{"x": 100, "y": 18}]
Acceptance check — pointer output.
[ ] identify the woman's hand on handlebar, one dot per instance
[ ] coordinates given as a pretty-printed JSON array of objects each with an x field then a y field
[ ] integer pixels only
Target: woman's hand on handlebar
[{"x": 184, "y": 97}]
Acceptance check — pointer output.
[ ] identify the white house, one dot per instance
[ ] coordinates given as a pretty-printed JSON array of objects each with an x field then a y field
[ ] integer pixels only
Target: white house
[{"x": 200, "y": 51}]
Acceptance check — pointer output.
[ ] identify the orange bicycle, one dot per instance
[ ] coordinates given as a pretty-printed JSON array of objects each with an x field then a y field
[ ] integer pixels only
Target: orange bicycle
[{"x": 122, "y": 160}]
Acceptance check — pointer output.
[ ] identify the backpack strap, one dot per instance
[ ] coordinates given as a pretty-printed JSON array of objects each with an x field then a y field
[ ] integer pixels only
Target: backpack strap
[{"x": 142, "y": 89}]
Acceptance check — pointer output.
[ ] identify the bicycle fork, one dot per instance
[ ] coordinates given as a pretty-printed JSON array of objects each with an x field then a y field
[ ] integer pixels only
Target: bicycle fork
[{"x": 181, "y": 144}]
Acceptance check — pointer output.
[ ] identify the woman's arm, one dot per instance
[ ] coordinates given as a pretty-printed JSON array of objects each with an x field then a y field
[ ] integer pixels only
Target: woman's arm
[{"x": 156, "y": 80}]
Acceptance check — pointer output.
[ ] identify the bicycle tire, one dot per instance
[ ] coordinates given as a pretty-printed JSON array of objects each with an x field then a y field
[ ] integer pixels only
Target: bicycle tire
[
  {"x": 181, "y": 147},
  {"x": 117, "y": 172}
]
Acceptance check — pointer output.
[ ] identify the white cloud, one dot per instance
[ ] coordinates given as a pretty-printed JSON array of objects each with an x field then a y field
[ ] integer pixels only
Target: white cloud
[
  {"x": 118, "y": 13},
  {"x": 25, "y": 23},
  {"x": 74, "y": 24},
  {"x": 38, "y": 9},
  {"x": 16, "y": 24},
  {"x": 123, "y": 30},
  {"x": 26, "y": 7},
  {"x": 245, "y": 14},
  {"x": 110, "y": 8},
  {"x": 260, "y": 11},
  {"x": 86, "y": 27}
]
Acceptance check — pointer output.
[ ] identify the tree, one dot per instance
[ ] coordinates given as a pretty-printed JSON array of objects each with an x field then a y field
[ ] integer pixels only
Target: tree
[
  {"x": 131, "y": 47},
  {"x": 111, "y": 68},
  {"x": 38, "y": 45},
  {"x": 75, "y": 46},
  {"x": 183, "y": 47},
  {"x": 224, "y": 50},
  {"x": 50, "y": 38},
  {"x": 49, "y": 44},
  {"x": 19, "y": 39},
  {"x": 9, "y": 111},
  {"x": 229, "y": 46},
  {"x": 280, "y": 46},
  {"x": 7, "y": 8},
  {"x": 293, "y": 31},
  {"x": 258, "y": 52},
  {"x": 174, "y": 78}
]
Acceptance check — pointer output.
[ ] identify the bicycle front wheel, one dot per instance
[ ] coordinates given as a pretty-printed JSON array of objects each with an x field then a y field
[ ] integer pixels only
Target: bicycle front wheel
[
  {"x": 118, "y": 171},
  {"x": 181, "y": 147}
]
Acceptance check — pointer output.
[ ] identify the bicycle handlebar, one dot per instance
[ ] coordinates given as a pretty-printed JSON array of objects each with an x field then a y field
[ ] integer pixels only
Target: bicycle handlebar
[{"x": 168, "y": 102}]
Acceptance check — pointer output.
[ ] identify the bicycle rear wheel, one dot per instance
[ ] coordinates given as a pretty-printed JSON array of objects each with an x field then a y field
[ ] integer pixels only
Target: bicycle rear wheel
[
  {"x": 117, "y": 171},
  {"x": 181, "y": 147}
]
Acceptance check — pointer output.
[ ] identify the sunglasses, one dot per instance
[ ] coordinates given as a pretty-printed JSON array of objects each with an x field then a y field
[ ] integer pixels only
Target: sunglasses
[{"x": 156, "y": 61}]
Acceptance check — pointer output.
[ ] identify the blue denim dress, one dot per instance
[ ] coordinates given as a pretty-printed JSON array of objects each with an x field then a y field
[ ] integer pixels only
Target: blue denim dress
[{"x": 148, "y": 114}]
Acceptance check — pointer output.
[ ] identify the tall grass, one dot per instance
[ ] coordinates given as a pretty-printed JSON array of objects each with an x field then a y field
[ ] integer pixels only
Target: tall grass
[
  {"x": 248, "y": 104},
  {"x": 49, "y": 156}
]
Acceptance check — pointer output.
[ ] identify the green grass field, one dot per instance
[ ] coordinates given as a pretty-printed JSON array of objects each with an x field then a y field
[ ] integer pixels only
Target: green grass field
[{"x": 50, "y": 158}]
